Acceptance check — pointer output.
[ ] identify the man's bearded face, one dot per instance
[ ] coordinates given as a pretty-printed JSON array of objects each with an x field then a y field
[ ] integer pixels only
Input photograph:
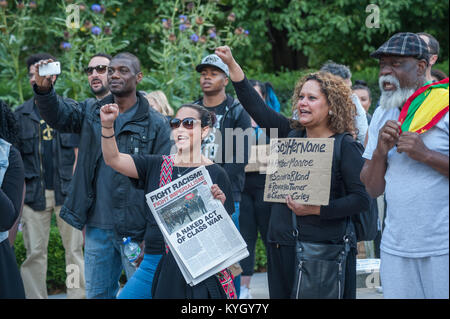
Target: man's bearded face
[{"x": 392, "y": 94}]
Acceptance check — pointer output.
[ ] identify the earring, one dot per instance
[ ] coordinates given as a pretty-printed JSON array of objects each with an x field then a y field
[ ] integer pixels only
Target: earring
[{"x": 330, "y": 113}]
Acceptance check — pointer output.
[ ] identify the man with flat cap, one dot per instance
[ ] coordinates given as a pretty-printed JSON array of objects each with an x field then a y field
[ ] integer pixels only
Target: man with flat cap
[{"x": 407, "y": 158}]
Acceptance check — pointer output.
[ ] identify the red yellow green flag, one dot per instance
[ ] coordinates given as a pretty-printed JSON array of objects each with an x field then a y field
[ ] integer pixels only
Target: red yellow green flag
[{"x": 425, "y": 107}]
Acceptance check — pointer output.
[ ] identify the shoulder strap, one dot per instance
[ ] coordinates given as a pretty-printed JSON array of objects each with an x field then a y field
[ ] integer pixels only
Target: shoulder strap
[
  {"x": 165, "y": 175},
  {"x": 338, "y": 146},
  {"x": 338, "y": 151}
]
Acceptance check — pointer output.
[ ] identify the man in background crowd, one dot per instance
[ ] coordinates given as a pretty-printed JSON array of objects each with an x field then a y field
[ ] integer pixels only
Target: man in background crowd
[
  {"x": 433, "y": 51},
  {"x": 49, "y": 157},
  {"x": 231, "y": 116}
]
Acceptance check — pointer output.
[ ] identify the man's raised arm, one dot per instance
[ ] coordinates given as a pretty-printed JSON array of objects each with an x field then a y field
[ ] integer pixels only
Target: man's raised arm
[{"x": 65, "y": 115}]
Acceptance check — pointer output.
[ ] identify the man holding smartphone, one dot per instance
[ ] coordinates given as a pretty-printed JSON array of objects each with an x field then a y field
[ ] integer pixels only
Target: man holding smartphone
[
  {"x": 48, "y": 156},
  {"x": 101, "y": 199}
]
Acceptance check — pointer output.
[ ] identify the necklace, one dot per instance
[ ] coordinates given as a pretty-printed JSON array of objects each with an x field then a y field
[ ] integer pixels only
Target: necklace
[{"x": 180, "y": 173}]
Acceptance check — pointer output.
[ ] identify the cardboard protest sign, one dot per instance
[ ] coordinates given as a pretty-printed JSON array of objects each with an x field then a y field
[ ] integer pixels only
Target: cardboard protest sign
[
  {"x": 259, "y": 158},
  {"x": 300, "y": 167}
]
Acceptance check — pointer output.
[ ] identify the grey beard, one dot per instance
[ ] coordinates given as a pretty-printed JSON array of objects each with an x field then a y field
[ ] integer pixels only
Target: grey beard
[{"x": 395, "y": 99}]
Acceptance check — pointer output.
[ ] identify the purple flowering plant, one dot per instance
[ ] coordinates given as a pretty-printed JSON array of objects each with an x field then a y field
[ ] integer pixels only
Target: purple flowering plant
[
  {"x": 96, "y": 30},
  {"x": 191, "y": 34},
  {"x": 96, "y": 8}
]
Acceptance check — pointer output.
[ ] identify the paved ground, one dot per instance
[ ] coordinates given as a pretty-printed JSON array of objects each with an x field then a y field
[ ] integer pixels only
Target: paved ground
[{"x": 259, "y": 290}]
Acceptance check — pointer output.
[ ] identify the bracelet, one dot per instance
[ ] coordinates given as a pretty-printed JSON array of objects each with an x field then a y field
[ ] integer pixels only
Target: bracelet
[
  {"x": 110, "y": 127},
  {"x": 108, "y": 136}
]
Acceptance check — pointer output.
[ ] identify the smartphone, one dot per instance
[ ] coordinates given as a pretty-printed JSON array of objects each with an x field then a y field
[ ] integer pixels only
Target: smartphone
[{"x": 52, "y": 68}]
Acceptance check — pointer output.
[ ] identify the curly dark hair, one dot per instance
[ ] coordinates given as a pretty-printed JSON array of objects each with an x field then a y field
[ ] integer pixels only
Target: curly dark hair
[
  {"x": 338, "y": 96},
  {"x": 9, "y": 128}
]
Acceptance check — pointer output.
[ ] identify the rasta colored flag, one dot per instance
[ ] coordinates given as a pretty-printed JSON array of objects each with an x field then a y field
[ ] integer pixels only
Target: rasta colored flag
[{"x": 425, "y": 107}]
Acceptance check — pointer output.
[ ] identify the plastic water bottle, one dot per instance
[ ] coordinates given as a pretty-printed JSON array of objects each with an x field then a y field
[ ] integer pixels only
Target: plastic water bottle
[{"x": 131, "y": 250}]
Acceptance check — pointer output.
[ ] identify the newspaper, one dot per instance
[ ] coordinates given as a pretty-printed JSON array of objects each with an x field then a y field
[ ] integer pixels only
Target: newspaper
[{"x": 198, "y": 230}]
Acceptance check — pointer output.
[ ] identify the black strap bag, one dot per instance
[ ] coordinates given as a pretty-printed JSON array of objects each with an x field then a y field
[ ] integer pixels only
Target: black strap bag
[
  {"x": 366, "y": 222},
  {"x": 320, "y": 269}
]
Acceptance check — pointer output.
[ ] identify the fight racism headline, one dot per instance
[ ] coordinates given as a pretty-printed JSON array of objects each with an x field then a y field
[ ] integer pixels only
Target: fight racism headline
[{"x": 177, "y": 188}]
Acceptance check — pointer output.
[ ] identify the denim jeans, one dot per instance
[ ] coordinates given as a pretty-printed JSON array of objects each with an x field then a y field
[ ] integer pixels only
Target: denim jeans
[
  {"x": 104, "y": 262},
  {"x": 139, "y": 286},
  {"x": 235, "y": 218}
]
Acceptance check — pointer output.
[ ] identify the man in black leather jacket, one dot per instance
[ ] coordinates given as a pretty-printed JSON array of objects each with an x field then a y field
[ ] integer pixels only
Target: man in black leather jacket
[
  {"x": 48, "y": 158},
  {"x": 100, "y": 198}
]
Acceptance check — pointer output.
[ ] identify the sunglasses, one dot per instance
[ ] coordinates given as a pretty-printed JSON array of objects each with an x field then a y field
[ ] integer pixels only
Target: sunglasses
[
  {"x": 99, "y": 68},
  {"x": 188, "y": 123}
]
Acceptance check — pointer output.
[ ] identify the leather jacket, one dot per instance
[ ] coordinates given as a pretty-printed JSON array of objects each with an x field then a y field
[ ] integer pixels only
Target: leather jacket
[{"x": 148, "y": 132}]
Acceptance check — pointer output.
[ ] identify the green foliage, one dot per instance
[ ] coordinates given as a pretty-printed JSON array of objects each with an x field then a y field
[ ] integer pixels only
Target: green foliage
[
  {"x": 188, "y": 33},
  {"x": 14, "y": 27},
  {"x": 300, "y": 32},
  {"x": 283, "y": 83},
  {"x": 56, "y": 265},
  {"x": 79, "y": 44},
  {"x": 260, "y": 256},
  {"x": 336, "y": 30},
  {"x": 24, "y": 33}
]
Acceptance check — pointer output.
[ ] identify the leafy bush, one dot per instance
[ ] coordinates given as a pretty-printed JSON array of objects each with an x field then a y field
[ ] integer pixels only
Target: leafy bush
[
  {"x": 23, "y": 34},
  {"x": 283, "y": 84},
  {"x": 188, "y": 33},
  {"x": 56, "y": 264},
  {"x": 260, "y": 256}
]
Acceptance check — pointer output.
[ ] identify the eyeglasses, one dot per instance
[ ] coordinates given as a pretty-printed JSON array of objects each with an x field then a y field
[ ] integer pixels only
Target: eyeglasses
[
  {"x": 188, "y": 123},
  {"x": 99, "y": 68}
]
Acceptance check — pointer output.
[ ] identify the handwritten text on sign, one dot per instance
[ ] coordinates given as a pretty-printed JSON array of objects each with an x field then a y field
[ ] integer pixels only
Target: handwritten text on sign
[{"x": 300, "y": 167}]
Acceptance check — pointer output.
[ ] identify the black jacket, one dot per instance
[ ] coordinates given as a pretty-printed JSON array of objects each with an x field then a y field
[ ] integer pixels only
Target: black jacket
[
  {"x": 30, "y": 149},
  {"x": 147, "y": 133},
  {"x": 234, "y": 162}
]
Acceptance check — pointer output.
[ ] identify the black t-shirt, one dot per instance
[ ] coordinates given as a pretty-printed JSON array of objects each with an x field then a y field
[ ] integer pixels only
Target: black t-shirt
[
  {"x": 149, "y": 168},
  {"x": 212, "y": 144}
]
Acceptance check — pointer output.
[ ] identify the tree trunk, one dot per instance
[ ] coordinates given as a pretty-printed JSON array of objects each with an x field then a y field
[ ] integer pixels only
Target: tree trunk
[{"x": 283, "y": 55}]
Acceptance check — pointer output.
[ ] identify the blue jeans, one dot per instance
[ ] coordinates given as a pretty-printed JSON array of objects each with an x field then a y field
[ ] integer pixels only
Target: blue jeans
[
  {"x": 139, "y": 286},
  {"x": 235, "y": 218},
  {"x": 104, "y": 261}
]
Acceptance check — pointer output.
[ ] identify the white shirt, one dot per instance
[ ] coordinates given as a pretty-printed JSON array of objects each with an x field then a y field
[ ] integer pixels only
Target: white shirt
[
  {"x": 360, "y": 119},
  {"x": 417, "y": 216}
]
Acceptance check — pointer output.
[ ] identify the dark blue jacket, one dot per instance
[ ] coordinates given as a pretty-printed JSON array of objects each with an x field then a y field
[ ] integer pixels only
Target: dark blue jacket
[{"x": 148, "y": 132}]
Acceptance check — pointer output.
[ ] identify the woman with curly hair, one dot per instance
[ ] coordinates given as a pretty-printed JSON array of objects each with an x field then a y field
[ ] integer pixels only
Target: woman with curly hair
[
  {"x": 325, "y": 110},
  {"x": 11, "y": 197}
]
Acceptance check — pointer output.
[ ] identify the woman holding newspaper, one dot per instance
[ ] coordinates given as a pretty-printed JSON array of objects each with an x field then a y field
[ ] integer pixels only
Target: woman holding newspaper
[
  {"x": 300, "y": 245},
  {"x": 190, "y": 125}
]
